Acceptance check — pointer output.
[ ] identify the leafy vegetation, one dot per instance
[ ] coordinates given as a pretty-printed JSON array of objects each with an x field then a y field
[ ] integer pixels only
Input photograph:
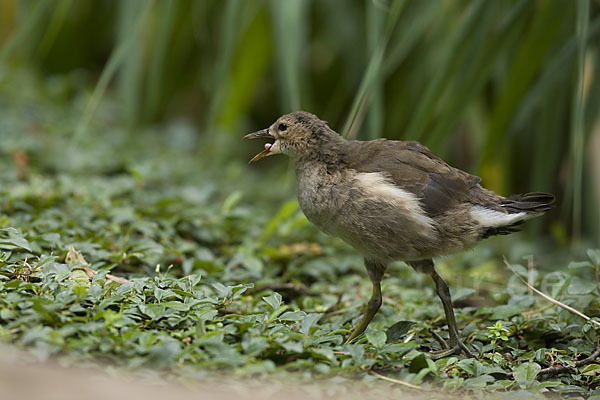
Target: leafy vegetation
[
  {"x": 155, "y": 267},
  {"x": 133, "y": 233},
  {"x": 506, "y": 89}
]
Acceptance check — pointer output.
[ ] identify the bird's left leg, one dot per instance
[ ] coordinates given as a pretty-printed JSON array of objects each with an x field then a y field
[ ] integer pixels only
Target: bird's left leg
[
  {"x": 375, "y": 271},
  {"x": 441, "y": 287},
  {"x": 456, "y": 345}
]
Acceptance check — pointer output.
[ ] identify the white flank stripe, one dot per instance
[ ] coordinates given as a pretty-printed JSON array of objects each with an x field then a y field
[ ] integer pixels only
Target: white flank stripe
[
  {"x": 379, "y": 187},
  {"x": 487, "y": 217}
]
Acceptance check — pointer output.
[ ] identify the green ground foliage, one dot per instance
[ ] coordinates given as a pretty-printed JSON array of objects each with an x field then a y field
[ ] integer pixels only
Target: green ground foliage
[
  {"x": 133, "y": 235},
  {"x": 116, "y": 255}
]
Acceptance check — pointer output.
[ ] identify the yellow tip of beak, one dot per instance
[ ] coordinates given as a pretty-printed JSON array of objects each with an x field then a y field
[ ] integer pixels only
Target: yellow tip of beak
[{"x": 260, "y": 155}]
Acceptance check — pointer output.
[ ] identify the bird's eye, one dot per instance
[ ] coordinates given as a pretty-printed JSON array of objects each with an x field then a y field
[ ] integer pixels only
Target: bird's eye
[{"x": 282, "y": 127}]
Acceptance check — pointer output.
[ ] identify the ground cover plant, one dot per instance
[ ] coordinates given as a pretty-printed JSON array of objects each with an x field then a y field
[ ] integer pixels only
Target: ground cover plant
[
  {"x": 144, "y": 262},
  {"x": 134, "y": 237}
]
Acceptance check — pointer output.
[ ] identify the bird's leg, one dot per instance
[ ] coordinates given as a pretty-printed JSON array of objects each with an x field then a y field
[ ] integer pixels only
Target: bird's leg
[
  {"x": 375, "y": 271},
  {"x": 372, "y": 307},
  {"x": 456, "y": 345}
]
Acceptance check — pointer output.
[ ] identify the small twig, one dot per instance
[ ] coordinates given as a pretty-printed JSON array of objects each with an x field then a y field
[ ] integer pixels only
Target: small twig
[
  {"x": 109, "y": 277},
  {"x": 118, "y": 279},
  {"x": 585, "y": 361},
  {"x": 387, "y": 378},
  {"x": 580, "y": 363},
  {"x": 551, "y": 299}
]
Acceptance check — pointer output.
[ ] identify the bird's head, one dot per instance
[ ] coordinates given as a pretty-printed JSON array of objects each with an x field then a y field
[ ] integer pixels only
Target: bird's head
[{"x": 297, "y": 134}]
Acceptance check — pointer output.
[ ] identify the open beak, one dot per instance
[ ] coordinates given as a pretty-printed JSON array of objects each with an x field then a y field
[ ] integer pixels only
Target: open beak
[{"x": 260, "y": 134}]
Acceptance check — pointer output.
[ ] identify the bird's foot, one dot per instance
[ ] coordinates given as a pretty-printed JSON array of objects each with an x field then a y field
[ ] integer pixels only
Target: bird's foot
[
  {"x": 436, "y": 355},
  {"x": 456, "y": 348}
]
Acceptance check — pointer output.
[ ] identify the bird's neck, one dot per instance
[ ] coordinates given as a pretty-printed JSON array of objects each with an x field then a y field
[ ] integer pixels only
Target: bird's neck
[{"x": 326, "y": 148}]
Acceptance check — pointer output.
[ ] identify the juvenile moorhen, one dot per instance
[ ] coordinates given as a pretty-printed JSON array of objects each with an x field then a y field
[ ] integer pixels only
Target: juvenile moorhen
[{"x": 393, "y": 200}]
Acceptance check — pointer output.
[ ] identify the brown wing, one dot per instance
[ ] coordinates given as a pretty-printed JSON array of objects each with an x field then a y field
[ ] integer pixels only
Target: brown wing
[{"x": 414, "y": 168}]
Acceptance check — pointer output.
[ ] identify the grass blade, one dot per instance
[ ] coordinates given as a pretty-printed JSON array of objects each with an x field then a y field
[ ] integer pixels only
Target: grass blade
[
  {"x": 528, "y": 60},
  {"x": 26, "y": 29},
  {"x": 436, "y": 87},
  {"x": 289, "y": 23},
  {"x": 371, "y": 74},
  {"x": 130, "y": 77},
  {"x": 56, "y": 22},
  {"x": 375, "y": 35},
  {"x": 578, "y": 112},
  {"x": 158, "y": 64},
  {"x": 229, "y": 39},
  {"x": 115, "y": 61}
]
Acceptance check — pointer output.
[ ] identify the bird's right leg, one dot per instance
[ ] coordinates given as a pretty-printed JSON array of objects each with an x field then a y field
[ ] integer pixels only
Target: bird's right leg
[{"x": 375, "y": 271}]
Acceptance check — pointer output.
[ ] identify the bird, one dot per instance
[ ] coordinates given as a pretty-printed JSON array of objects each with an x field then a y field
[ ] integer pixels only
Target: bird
[{"x": 393, "y": 201}]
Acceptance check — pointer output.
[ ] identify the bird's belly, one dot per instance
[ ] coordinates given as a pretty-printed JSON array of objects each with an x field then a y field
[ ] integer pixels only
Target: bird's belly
[
  {"x": 380, "y": 231},
  {"x": 378, "y": 227}
]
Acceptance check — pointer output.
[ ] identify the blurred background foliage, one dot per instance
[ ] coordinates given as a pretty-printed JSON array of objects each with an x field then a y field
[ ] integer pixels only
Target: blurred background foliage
[{"x": 508, "y": 90}]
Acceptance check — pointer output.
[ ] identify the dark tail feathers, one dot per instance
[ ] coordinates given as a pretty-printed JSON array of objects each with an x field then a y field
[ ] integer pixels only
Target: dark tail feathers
[
  {"x": 530, "y": 203},
  {"x": 536, "y": 202}
]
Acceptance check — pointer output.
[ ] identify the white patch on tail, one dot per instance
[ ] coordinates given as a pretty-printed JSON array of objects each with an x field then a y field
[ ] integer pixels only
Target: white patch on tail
[
  {"x": 376, "y": 185},
  {"x": 493, "y": 218}
]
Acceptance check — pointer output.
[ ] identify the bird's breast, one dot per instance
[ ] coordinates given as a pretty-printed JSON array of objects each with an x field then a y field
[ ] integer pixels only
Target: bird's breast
[{"x": 321, "y": 194}]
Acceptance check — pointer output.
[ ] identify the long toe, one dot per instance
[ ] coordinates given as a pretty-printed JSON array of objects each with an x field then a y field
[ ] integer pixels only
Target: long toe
[
  {"x": 466, "y": 350},
  {"x": 436, "y": 355},
  {"x": 457, "y": 348}
]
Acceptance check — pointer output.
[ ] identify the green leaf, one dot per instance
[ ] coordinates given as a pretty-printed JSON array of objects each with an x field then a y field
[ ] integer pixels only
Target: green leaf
[
  {"x": 431, "y": 365},
  {"x": 471, "y": 366},
  {"x": 418, "y": 363},
  {"x": 398, "y": 330},
  {"x": 80, "y": 278},
  {"x": 594, "y": 255},
  {"x": 323, "y": 352},
  {"x": 580, "y": 264},
  {"x": 479, "y": 381},
  {"x": 274, "y": 300},
  {"x": 420, "y": 375},
  {"x": 578, "y": 287},
  {"x": 356, "y": 351},
  {"x": 176, "y": 305},
  {"x": 309, "y": 322},
  {"x": 504, "y": 312},
  {"x": 153, "y": 311},
  {"x": 590, "y": 370},
  {"x": 80, "y": 291},
  {"x": 376, "y": 338},
  {"x": 292, "y": 316},
  {"x": 14, "y": 242},
  {"x": 293, "y": 346},
  {"x": 525, "y": 373},
  {"x": 254, "y": 345}
]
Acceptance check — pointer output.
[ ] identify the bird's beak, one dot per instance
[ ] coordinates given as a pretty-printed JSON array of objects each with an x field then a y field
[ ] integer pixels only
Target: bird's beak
[{"x": 260, "y": 134}]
